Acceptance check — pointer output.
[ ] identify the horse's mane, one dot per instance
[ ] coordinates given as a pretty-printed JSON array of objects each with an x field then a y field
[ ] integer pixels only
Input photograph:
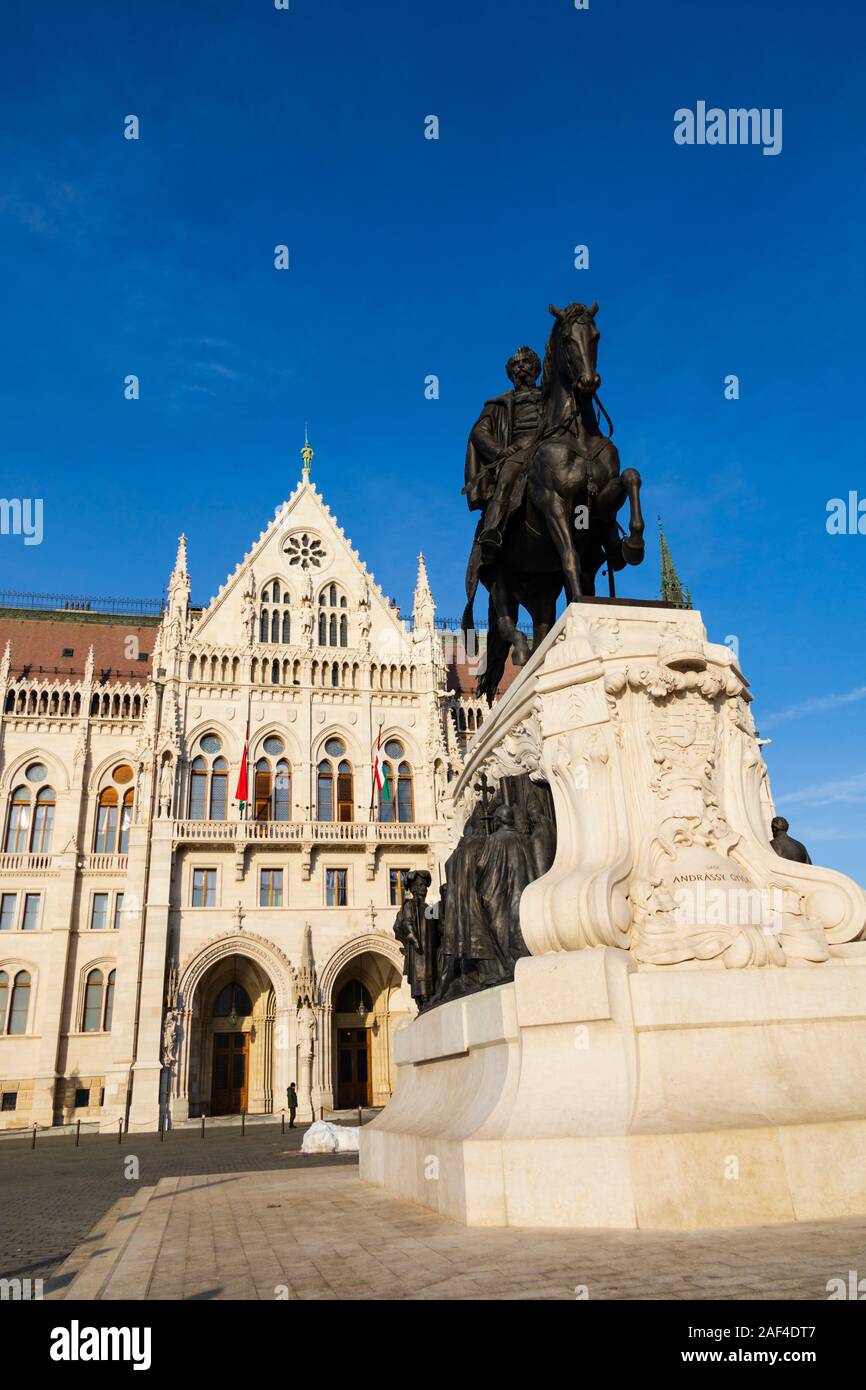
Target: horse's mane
[{"x": 571, "y": 314}]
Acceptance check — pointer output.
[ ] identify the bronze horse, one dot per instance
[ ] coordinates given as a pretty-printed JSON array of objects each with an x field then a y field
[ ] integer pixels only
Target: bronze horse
[{"x": 566, "y": 527}]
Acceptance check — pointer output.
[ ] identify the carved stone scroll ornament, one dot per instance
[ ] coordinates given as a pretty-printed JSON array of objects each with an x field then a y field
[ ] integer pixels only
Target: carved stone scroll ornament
[
  {"x": 520, "y": 751},
  {"x": 582, "y": 900}
]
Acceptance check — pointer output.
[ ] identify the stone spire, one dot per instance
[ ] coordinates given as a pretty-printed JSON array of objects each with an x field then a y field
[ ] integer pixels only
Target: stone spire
[
  {"x": 671, "y": 590},
  {"x": 307, "y": 455},
  {"x": 424, "y": 609},
  {"x": 306, "y": 977},
  {"x": 178, "y": 584}
]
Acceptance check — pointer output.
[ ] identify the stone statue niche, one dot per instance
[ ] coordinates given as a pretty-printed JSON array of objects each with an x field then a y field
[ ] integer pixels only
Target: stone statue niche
[{"x": 470, "y": 939}]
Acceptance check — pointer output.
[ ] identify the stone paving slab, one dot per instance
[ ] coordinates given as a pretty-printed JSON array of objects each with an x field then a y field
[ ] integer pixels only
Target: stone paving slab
[
  {"x": 53, "y": 1195},
  {"x": 320, "y": 1233}
]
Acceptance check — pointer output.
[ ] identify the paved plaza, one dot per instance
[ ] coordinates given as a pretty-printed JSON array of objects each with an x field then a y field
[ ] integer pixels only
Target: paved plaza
[
  {"x": 319, "y": 1233},
  {"x": 54, "y": 1194}
]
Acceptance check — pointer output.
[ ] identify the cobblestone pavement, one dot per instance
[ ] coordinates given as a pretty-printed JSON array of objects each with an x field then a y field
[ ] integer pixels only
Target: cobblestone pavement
[
  {"x": 323, "y": 1234},
  {"x": 52, "y": 1195}
]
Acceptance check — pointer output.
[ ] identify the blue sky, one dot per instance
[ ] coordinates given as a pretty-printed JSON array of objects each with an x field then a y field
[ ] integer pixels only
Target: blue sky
[{"x": 411, "y": 257}]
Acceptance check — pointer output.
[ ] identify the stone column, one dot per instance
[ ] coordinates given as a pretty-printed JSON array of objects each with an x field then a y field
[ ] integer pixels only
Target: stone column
[
  {"x": 152, "y": 921},
  {"x": 284, "y": 1052},
  {"x": 307, "y": 1030},
  {"x": 326, "y": 1063}
]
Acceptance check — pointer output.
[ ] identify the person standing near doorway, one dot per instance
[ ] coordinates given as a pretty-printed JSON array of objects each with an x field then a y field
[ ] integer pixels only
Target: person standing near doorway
[{"x": 292, "y": 1099}]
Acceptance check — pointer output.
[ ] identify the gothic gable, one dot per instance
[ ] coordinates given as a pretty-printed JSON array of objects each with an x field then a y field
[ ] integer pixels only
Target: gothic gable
[{"x": 303, "y": 551}]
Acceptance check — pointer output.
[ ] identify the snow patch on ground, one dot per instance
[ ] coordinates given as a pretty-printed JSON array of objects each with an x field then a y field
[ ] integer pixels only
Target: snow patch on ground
[{"x": 325, "y": 1138}]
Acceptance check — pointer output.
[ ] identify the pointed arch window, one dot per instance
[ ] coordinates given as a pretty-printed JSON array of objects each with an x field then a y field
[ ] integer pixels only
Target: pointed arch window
[
  {"x": 275, "y": 625},
  {"x": 208, "y": 781},
  {"x": 335, "y": 786},
  {"x": 109, "y": 1002},
  {"x": 399, "y": 804},
  {"x": 405, "y": 794},
  {"x": 325, "y": 791},
  {"x": 333, "y": 625},
  {"x": 219, "y": 789},
  {"x": 198, "y": 788},
  {"x": 18, "y": 829},
  {"x": 106, "y": 821},
  {"x": 19, "y": 1005},
  {"x": 98, "y": 1002},
  {"x": 273, "y": 782},
  {"x": 31, "y": 820},
  {"x": 125, "y": 822},
  {"x": 43, "y": 821},
  {"x": 114, "y": 812}
]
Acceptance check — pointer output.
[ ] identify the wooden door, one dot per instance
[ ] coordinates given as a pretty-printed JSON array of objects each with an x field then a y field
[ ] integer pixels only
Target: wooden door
[
  {"x": 354, "y": 1080},
  {"x": 231, "y": 1069}
]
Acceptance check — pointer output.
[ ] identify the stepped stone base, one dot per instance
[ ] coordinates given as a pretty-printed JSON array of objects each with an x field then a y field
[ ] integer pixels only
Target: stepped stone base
[{"x": 595, "y": 1093}]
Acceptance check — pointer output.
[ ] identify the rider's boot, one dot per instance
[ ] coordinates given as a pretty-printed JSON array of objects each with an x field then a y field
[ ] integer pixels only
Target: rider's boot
[{"x": 491, "y": 544}]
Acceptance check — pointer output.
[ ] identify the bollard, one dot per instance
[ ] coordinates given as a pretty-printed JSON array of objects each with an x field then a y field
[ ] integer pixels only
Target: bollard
[
  {"x": 120, "y": 1131},
  {"x": 77, "y": 1132},
  {"x": 243, "y": 1123},
  {"x": 282, "y": 1122},
  {"x": 360, "y": 1117},
  {"x": 203, "y": 1118},
  {"x": 33, "y": 1144},
  {"x": 162, "y": 1129}
]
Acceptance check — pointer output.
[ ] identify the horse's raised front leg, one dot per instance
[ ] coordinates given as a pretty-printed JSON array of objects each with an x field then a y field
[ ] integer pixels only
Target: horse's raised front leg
[{"x": 633, "y": 544}]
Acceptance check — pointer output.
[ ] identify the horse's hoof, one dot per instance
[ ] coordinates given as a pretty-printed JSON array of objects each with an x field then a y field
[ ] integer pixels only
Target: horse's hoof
[
  {"x": 520, "y": 653},
  {"x": 633, "y": 550}
]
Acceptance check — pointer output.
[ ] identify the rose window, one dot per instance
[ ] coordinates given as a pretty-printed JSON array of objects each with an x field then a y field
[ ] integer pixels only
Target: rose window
[{"x": 305, "y": 550}]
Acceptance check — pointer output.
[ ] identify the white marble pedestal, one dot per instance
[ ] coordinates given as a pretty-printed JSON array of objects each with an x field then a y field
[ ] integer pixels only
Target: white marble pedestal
[
  {"x": 593, "y": 1093},
  {"x": 685, "y": 1046}
]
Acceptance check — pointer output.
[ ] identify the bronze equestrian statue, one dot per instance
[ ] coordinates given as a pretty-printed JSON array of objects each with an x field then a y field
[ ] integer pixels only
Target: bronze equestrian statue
[{"x": 549, "y": 486}]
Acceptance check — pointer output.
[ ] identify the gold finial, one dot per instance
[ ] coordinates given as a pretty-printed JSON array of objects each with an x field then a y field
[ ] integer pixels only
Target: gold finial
[{"x": 307, "y": 455}]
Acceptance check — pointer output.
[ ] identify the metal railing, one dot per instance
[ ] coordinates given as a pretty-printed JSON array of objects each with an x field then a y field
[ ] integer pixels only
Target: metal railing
[{"x": 80, "y": 603}]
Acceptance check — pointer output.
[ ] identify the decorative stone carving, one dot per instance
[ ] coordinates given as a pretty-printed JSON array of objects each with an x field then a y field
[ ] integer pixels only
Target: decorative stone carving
[
  {"x": 166, "y": 788},
  {"x": 170, "y": 1037},
  {"x": 661, "y": 797},
  {"x": 248, "y": 610}
]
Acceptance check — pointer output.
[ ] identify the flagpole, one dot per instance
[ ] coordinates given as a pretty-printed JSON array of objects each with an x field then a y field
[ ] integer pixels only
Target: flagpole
[{"x": 373, "y": 772}]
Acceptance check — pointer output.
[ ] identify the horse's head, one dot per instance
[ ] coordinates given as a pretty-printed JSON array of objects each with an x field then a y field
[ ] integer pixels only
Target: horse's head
[{"x": 576, "y": 338}]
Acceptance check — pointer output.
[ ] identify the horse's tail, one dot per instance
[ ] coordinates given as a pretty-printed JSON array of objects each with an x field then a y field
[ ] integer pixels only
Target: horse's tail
[{"x": 496, "y": 656}]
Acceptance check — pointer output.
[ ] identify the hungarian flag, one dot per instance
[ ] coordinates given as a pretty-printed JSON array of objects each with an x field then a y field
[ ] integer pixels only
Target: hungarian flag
[
  {"x": 383, "y": 786},
  {"x": 241, "y": 794}
]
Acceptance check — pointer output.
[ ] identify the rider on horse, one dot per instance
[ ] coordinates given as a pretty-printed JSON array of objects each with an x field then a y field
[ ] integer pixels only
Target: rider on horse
[{"x": 500, "y": 451}]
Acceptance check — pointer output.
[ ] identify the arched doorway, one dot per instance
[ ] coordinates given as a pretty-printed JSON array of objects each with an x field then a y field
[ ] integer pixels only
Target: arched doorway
[
  {"x": 367, "y": 1002},
  {"x": 231, "y": 1061}
]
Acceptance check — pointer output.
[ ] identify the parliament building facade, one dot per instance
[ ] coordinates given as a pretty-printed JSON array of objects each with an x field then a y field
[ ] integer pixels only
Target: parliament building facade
[{"x": 164, "y": 952}]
